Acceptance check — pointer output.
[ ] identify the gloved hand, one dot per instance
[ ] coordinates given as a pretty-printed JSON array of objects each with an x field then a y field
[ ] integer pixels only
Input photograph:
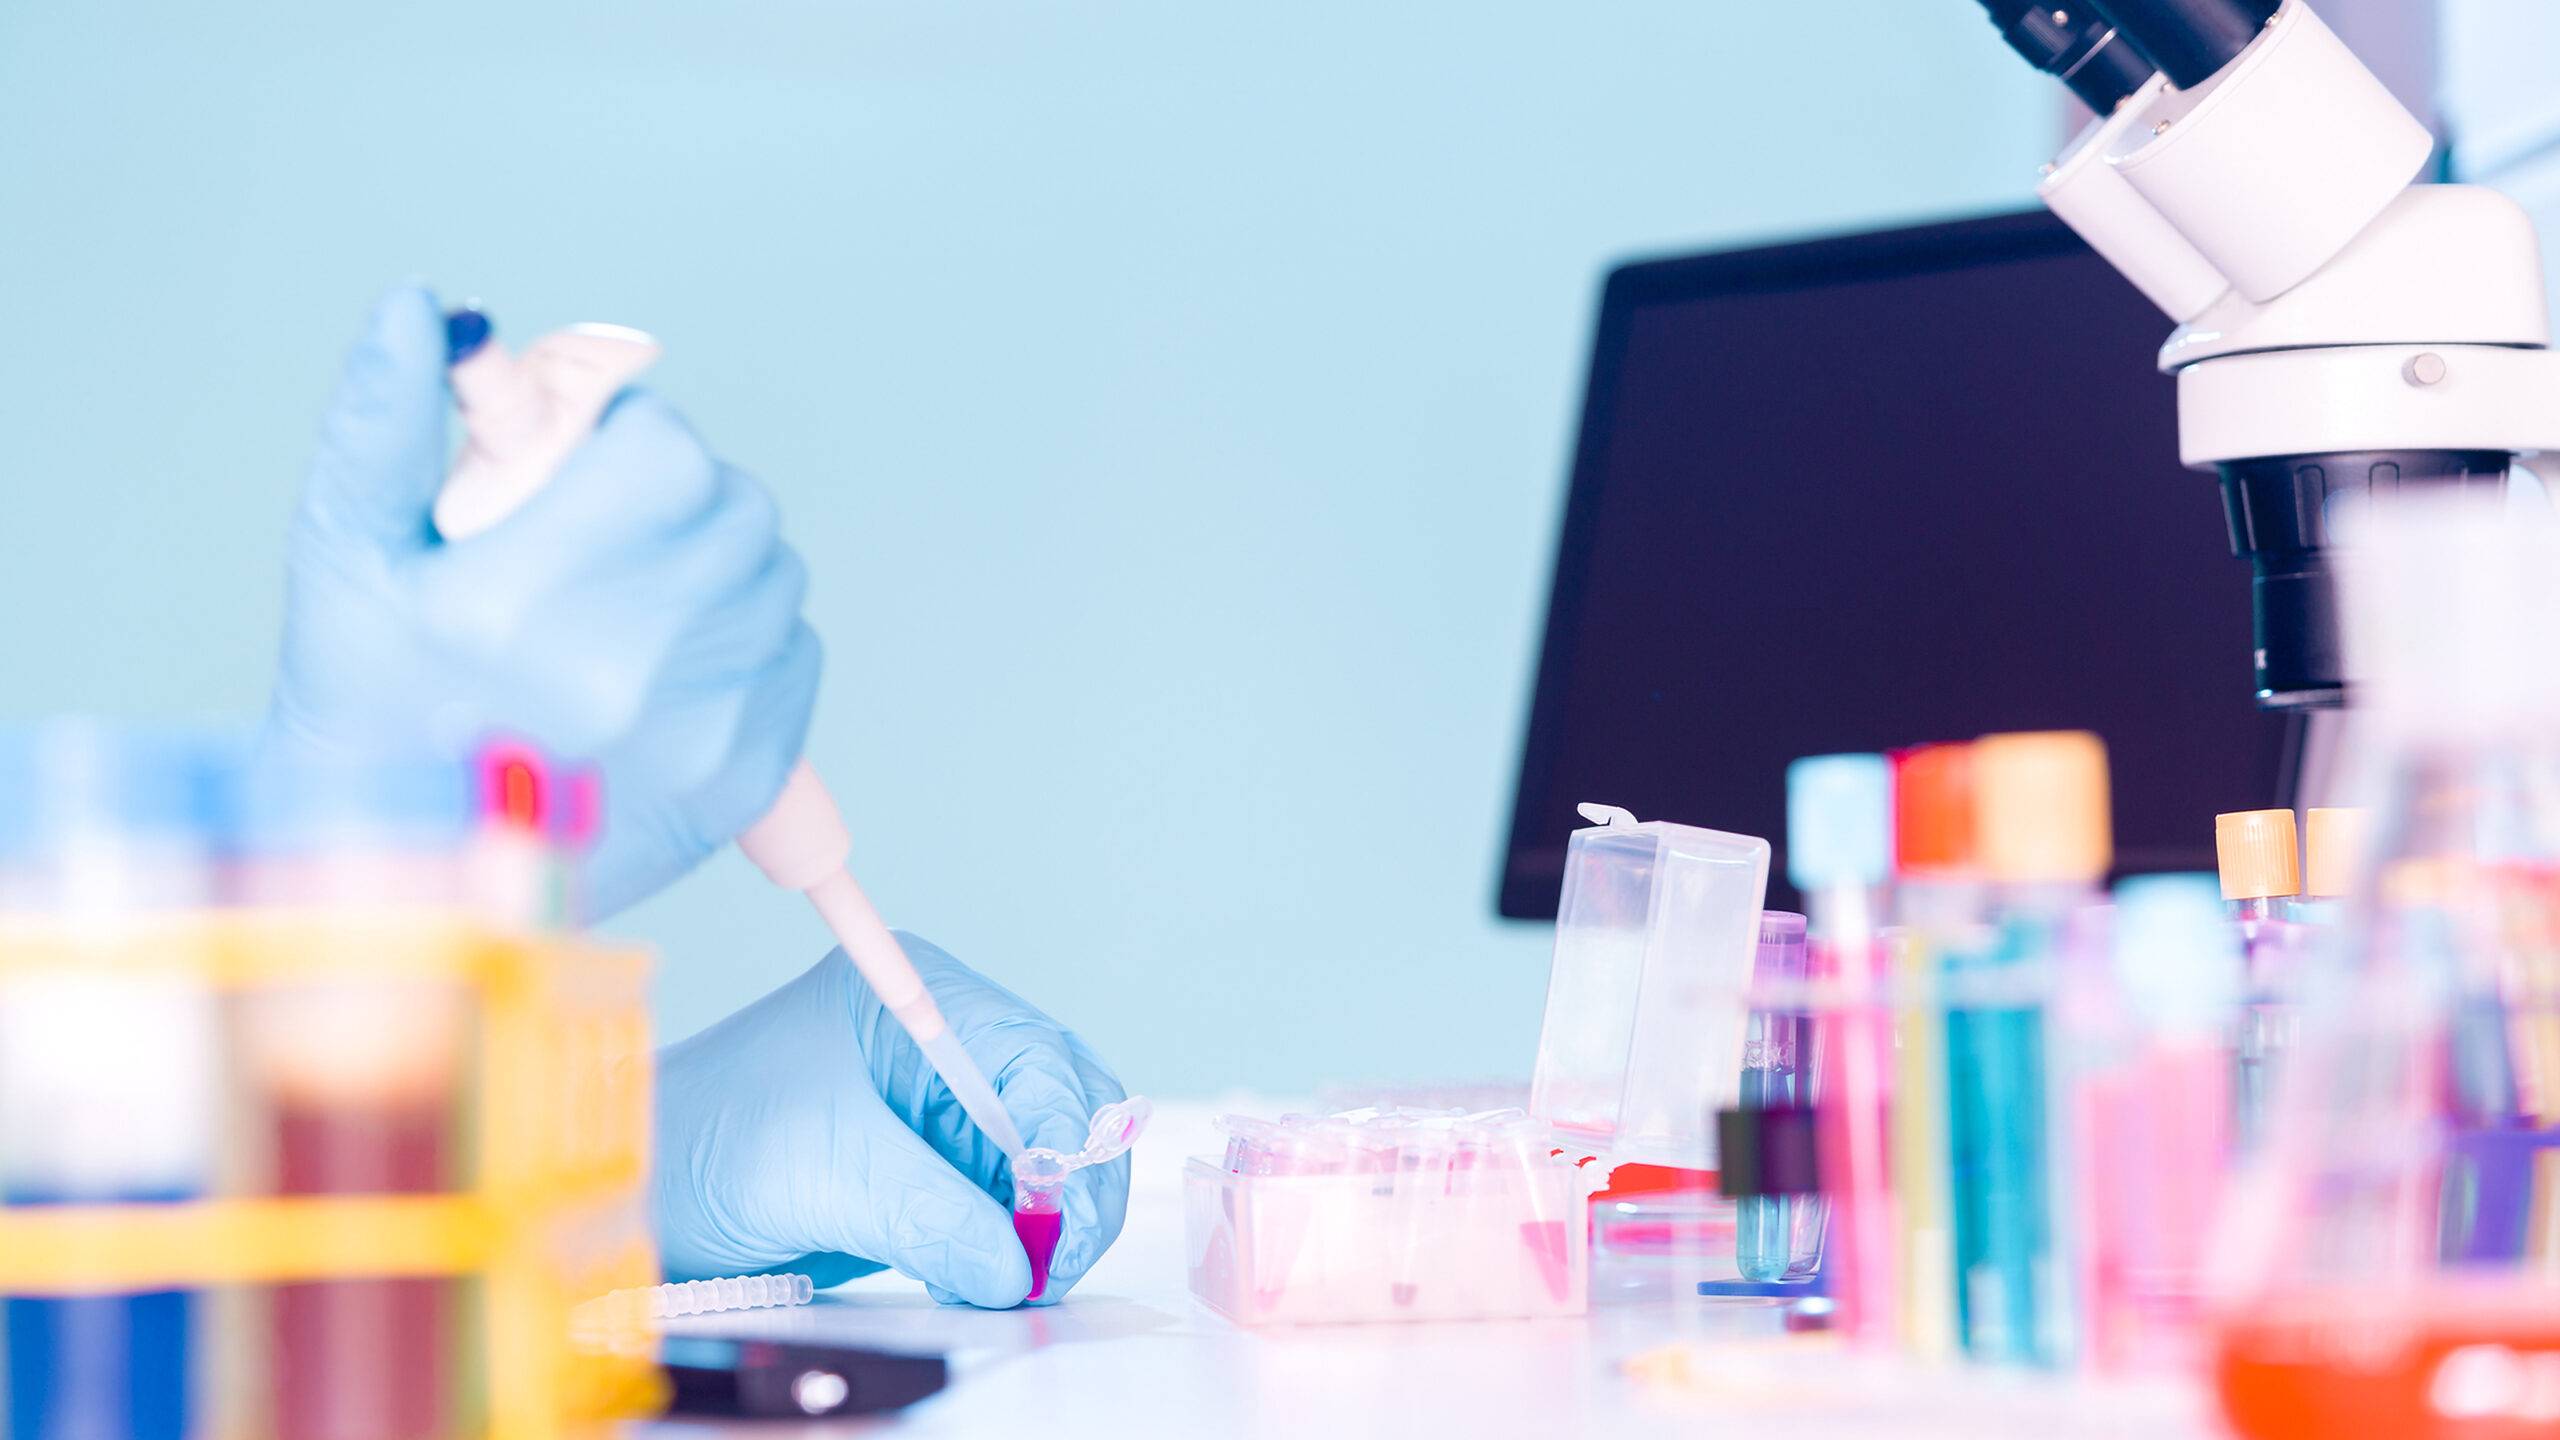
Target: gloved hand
[
  {"x": 640, "y": 611},
  {"x": 808, "y": 1133}
]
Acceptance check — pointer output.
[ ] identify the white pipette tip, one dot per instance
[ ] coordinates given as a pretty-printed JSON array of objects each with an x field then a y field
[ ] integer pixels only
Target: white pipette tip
[
  {"x": 521, "y": 417},
  {"x": 801, "y": 844},
  {"x": 969, "y": 1086}
]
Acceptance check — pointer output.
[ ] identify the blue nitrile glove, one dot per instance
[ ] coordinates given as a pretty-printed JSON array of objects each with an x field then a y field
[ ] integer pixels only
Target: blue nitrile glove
[
  {"x": 807, "y": 1133},
  {"x": 640, "y": 611}
]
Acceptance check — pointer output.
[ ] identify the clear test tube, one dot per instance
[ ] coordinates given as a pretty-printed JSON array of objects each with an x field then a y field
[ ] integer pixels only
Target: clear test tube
[
  {"x": 108, "y": 1075},
  {"x": 1773, "y": 1078},
  {"x": 2260, "y": 867},
  {"x": 1547, "y": 1207},
  {"x": 1425, "y": 1151}
]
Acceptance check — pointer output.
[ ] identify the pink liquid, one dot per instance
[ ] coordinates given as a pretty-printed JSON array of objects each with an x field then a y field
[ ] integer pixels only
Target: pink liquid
[
  {"x": 1545, "y": 1240},
  {"x": 364, "y": 1359},
  {"x": 1039, "y": 1231}
]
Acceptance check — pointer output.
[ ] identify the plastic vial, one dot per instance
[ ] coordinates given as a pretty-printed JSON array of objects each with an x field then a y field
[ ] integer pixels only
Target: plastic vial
[
  {"x": 2043, "y": 832},
  {"x": 361, "y": 1078},
  {"x": 1764, "y": 1226},
  {"x": 106, "y": 1078},
  {"x": 2260, "y": 872}
]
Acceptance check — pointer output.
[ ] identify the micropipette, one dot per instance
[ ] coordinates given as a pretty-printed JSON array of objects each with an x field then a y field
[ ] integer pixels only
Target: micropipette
[{"x": 522, "y": 416}]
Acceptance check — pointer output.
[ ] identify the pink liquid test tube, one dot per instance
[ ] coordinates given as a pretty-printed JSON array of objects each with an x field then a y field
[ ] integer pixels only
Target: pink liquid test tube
[
  {"x": 1039, "y": 1212},
  {"x": 1040, "y": 1183}
]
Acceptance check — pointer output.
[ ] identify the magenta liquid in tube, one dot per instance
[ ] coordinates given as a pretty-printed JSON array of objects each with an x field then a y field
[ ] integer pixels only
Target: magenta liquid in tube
[{"x": 1040, "y": 1183}]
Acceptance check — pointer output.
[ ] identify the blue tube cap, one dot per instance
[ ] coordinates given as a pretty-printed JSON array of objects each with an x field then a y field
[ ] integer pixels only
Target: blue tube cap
[
  {"x": 1839, "y": 821},
  {"x": 294, "y": 804},
  {"x": 82, "y": 781},
  {"x": 2177, "y": 955}
]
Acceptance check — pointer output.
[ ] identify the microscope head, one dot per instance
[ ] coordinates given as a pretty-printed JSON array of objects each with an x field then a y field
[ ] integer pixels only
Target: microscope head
[{"x": 2342, "y": 331}]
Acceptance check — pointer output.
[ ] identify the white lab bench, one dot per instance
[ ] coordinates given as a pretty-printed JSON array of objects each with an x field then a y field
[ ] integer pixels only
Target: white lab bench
[{"x": 1129, "y": 1353}]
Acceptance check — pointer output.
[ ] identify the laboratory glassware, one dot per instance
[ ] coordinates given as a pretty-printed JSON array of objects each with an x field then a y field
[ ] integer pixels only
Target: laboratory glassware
[
  {"x": 1938, "y": 900},
  {"x": 2260, "y": 869},
  {"x": 2389, "y": 1266},
  {"x": 2152, "y": 1120},
  {"x": 1840, "y": 853},
  {"x": 1040, "y": 1181},
  {"x": 2041, "y": 818},
  {"x": 109, "y": 1067},
  {"x": 1774, "y": 1053}
]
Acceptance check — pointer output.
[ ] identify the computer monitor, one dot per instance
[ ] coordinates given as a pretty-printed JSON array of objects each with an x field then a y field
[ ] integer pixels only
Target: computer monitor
[{"x": 1864, "y": 492}]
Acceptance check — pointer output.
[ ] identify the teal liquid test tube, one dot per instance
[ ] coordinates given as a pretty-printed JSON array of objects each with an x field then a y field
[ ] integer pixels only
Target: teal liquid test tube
[
  {"x": 1996, "y": 1131},
  {"x": 2044, "y": 837}
]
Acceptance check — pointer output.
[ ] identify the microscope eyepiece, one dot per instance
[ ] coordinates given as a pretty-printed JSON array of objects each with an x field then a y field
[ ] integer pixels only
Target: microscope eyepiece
[
  {"x": 2074, "y": 43},
  {"x": 2188, "y": 39}
]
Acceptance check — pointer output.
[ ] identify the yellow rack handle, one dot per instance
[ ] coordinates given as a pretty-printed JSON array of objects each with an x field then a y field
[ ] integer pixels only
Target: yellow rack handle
[{"x": 98, "y": 1249}]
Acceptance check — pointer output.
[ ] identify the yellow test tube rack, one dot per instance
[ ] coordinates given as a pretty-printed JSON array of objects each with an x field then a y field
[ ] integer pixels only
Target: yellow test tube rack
[{"x": 554, "y": 1115}]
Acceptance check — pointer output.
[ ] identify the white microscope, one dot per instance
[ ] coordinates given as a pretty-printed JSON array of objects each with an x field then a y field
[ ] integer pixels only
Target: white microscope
[{"x": 2341, "y": 328}]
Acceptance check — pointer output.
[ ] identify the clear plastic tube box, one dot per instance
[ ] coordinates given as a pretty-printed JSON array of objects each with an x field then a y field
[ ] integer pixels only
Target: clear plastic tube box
[
  {"x": 1642, "y": 1041},
  {"x": 1399, "y": 1217}
]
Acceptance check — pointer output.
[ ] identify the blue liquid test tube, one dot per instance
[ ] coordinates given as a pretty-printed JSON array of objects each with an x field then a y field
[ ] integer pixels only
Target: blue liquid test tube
[
  {"x": 106, "y": 1075},
  {"x": 1765, "y": 1226}
]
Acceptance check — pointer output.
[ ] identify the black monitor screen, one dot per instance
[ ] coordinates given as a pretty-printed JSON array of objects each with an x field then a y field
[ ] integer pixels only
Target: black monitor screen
[{"x": 1866, "y": 492}]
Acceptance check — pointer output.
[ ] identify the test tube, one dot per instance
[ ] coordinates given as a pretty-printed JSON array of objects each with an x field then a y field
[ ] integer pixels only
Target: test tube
[
  {"x": 1938, "y": 901},
  {"x": 2041, "y": 808},
  {"x": 1039, "y": 1211},
  {"x": 2157, "y": 1121},
  {"x": 1424, "y": 1155},
  {"x": 1040, "y": 1182},
  {"x": 1840, "y": 853},
  {"x": 1764, "y": 1226},
  {"x": 1546, "y": 1209},
  {"x": 362, "y": 1078},
  {"x": 107, "y": 1075},
  {"x": 2261, "y": 870}
]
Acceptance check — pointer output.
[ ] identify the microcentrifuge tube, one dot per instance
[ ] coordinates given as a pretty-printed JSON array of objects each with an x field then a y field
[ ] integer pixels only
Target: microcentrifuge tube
[{"x": 1040, "y": 1182}]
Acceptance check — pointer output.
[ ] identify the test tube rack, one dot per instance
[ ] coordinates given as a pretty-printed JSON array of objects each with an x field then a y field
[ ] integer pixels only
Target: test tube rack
[{"x": 552, "y": 1124}]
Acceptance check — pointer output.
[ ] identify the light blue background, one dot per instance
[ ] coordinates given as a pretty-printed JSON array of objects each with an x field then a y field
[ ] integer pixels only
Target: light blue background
[{"x": 1172, "y": 401}]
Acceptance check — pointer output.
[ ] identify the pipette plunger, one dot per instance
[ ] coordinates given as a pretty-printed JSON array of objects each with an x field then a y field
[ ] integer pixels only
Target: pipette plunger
[{"x": 523, "y": 415}]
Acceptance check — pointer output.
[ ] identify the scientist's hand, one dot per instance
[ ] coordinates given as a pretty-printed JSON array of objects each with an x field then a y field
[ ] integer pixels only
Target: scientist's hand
[
  {"x": 808, "y": 1133},
  {"x": 640, "y": 611}
]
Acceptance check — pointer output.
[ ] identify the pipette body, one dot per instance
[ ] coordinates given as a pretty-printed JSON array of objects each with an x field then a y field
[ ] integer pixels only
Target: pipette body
[{"x": 522, "y": 417}]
